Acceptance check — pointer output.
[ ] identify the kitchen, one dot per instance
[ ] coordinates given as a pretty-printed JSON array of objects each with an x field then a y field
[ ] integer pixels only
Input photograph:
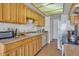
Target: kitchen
[{"x": 27, "y": 28}]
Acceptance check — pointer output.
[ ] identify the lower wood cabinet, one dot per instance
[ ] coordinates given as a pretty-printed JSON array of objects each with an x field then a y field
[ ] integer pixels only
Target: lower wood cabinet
[
  {"x": 25, "y": 47},
  {"x": 30, "y": 47},
  {"x": 35, "y": 46}
]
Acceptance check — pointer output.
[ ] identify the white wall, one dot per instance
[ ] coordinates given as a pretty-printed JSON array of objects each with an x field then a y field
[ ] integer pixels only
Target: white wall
[
  {"x": 54, "y": 26},
  {"x": 47, "y": 27},
  {"x": 20, "y": 27}
]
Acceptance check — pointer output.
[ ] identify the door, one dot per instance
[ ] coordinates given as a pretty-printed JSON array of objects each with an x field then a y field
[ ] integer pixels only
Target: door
[
  {"x": 1, "y": 12},
  {"x": 13, "y": 12},
  {"x": 6, "y": 12}
]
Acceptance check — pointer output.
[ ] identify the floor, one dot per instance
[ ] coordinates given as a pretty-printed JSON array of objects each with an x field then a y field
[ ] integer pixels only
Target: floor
[{"x": 50, "y": 50}]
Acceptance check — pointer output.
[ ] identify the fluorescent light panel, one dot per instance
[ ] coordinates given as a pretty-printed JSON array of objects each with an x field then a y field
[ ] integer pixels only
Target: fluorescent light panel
[{"x": 49, "y": 8}]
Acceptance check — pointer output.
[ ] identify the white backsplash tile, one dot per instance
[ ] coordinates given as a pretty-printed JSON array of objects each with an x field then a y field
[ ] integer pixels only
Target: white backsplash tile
[{"x": 20, "y": 27}]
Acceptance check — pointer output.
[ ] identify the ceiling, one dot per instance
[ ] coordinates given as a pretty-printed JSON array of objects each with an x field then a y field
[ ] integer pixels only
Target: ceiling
[{"x": 49, "y": 8}]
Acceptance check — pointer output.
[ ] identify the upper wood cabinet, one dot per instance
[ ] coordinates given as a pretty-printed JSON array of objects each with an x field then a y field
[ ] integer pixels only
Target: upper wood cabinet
[
  {"x": 1, "y": 12},
  {"x": 28, "y": 14},
  {"x": 6, "y": 12},
  {"x": 13, "y": 12},
  {"x": 19, "y": 13},
  {"x": 74, "y": 20},
  {"x": 24, "y": 19}
]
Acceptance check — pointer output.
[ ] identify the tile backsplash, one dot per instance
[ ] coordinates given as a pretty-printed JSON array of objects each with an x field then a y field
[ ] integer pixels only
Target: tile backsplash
[{"x": 20, "y": 27}]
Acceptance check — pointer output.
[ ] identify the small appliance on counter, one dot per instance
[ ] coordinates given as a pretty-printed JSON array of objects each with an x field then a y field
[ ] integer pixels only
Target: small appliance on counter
[{"x": 6, "y": 34}]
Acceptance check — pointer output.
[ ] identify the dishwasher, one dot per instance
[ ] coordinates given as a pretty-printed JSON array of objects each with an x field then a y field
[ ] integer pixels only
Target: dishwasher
[{"x": 43, "y": 38}]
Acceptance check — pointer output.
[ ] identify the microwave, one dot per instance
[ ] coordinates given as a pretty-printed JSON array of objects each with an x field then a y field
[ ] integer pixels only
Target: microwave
[{"x": 6, "y": 34}]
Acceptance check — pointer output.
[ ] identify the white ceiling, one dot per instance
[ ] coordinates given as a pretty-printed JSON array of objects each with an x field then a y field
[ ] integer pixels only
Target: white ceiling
[{"x": 66, "y": 8}]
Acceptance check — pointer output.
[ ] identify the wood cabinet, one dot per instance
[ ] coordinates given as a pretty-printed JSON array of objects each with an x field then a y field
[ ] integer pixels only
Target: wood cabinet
[
  {"x": 6, "y": 12},
  {"x": 37, "y": 18},
  {"x": 23, "y": 47},
  {"x": 1, "y": 12},
  {"x": 18, "y": 13},
  {"x": 74, "y": 20},
  {"x": 41, "y": 21},
  {"x": 35, "y": 45},
  {"x": 30, "y": 47},
  {"x": 21, "y": 13},
  {"x": 24, "y": 11},
  {"x": 13, "y": 12},
  {"x": 28, "y": 13}
]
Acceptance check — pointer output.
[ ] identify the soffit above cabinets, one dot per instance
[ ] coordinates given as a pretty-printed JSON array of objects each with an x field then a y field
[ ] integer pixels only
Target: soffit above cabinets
[{"x": 49, "y": 8}]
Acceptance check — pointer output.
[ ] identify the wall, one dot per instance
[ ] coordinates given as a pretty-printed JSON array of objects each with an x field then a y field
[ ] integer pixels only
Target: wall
[
  {"x": 54, "y": 26},
  {"x": 47, "y": 27},
  {"x": 20, "y": 27}
]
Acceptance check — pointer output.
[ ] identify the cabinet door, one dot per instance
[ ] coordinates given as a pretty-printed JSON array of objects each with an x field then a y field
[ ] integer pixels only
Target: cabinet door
[
  {"x": 6, "y": 12},
  {"x": 30, "y": 47},
  {"x": 76, "y": 20},
  {"x": 24, "y": 13},
  {"x": 72, "y": 19},
  {"x": 41, "y": 21},
  {"x": 28, "y": 14},
  {"x": 35, "y": 46},
  {"x": 26, "y": 52},
  {"x": 1, "y": 12},
  {"x": 21, "y": 13},
  {"x": 13, "y": 12},
  {"x": 40, "y": 41}
]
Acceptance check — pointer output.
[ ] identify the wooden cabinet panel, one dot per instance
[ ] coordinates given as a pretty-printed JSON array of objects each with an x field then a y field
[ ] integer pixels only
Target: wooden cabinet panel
[
  {"x": 41, "y": 21},
  {"x": 76, "y": 20},
  {"x": 26, "y": 52},
  {"x": 24, "y": 14},
  {"x": 13, "y": 12},
  {"x": 35, "y": 46},
  {"x": 39, "y": 42},
  {"x": 25, "y": 47},
  {"x": 30, "y": 47},
  {"x": 72, "y": 19},
  {"x": 6, "y": 12},
  {"x": 18, "y": 13},
  {"x": 1, "y": 12},
  {"x": 21, "y": 13},
  {"x": 28, "y": 14}
]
